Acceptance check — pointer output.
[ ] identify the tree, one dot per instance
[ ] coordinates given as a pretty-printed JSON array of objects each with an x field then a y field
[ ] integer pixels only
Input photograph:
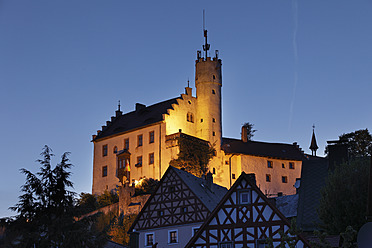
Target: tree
[
  {"x": 193, "y": 156},
  {"x": 249, "y": 131},
  {"x": 359, "y": 142},
  {"x": 344, "y": 198},
  {"x": 147, "y": 186},
  {"x": 46, "y": 210},
  {"x": 107, "y": 198}
]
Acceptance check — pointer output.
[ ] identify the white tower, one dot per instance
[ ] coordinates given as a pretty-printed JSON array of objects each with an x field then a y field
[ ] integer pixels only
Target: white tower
[{"x": 208, "y": 83}]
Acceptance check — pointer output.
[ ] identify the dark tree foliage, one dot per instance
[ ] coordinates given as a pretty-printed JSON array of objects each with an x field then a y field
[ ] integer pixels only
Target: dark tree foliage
[
  {"x": 147, "y": 186},
  {"x": 250, "y": 131},
  {"x": 46, "y": 210},
  {"x": 107, "y": 198},
  {"x": 193, "y": 156},
  {"x": 87, "y": 203},
  {"x": 344, "y": 198},
  {"x": 359, "y": 142}
]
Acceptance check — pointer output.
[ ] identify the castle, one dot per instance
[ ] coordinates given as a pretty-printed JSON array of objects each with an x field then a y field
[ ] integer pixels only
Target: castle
[{"x": 141, "y": 143}]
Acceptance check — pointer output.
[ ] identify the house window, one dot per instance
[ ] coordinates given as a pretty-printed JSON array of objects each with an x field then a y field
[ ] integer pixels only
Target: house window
[
  {"x": 139, "y": 161},
  {"x": 172, "y": 236},
  {"x": 151, "y": 158},
  {"x": 160, "y": 213},
  {"x": 268, "y": 178},
  {"x": 126, "y": 144},
  {"x": 291, "y": 165},
  {"x": 151, "y": 137},
  {"x": 233, "y": 176},
  {"x": 171, "y": 189},
  {"x": 149, "y": 239},
  {"x": 184, "y": 210},
  {"x": 213, "y": 91},
  {"x": 283, "y": 165},
  {"x": 262, "y": 243},
  {"x": 284, "y": 179},
  {"x": 269, "y": 164},
  {"x": 115, "y": 149},
  {"x": 244, "y": 197},
  {"x": 139, "y": 140},
  {"x": 104, "y": 171},
  {"x": 226, "y": 244},
  {"x": 104, "y": 150}
]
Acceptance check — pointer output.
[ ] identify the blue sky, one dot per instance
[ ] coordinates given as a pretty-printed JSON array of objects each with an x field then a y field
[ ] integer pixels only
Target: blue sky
[{"x": 286, "y": 66}]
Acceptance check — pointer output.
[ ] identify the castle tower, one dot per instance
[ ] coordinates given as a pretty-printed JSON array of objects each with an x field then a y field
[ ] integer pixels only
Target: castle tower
[
  {"x": 208, "y": 83},
  {"x": 313, "y": 146}
]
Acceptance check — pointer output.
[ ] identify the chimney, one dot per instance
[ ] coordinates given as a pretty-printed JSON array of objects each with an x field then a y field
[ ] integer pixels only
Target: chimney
[
  {"x": 140, "y": 106},
  {"x": 209, "y": 180},
  {"x": 244, "y": 134},
  {"x": 252, "y": 178}
]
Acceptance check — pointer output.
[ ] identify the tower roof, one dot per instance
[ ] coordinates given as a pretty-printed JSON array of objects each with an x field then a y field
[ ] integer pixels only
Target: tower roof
[{"x": 313, "y": 145}]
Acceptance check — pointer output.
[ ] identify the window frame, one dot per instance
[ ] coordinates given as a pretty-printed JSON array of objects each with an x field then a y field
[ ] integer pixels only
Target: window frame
[
  {"x": 139, "y": 158},
  {"x": 151, "y": 158},
  {"x": 104, "y": 150},
  {"x": 291, "y": 165},
  {"x": 270, "y": 164},
  {"x": 240, "y": 193},
  {"x": 268, "y": 176},
  {"x": 104, "y": 171},
  {"x": 284, "y": 179},
  {"x": 139, "y": 140},
  {"x": 126, "y": 143},
  {"x": 151, "y": 137},
  {"x": 146, "y": 239},
  {"x": 170, "y": 238}
]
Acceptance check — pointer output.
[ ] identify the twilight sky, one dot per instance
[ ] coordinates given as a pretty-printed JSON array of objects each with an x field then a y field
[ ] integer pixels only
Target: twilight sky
[{"x": 286, "y": 66}]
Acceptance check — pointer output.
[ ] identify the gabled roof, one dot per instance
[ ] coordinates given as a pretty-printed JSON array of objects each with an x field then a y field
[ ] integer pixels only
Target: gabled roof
[
  {"x": 143, "y": 116},
  {"x": 314, "y": 174},
  {"x": 262, "y": 149},
  {"x": 198, "y": 186},
  {"x": 244, "y": 179}
]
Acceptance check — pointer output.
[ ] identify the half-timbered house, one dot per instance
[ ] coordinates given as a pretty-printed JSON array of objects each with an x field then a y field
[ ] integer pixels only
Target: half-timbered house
[
  {"x": 245, "y": 217},
  {"x": 174, "y": 212}
]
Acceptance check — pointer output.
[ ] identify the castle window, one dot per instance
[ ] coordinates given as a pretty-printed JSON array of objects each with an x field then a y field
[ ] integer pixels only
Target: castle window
[
  {"x": 214, "y": 133},
  {"x": 214, "y": 77},
  {"x": 226, "y": 162},
  {"x": 104, "y": 150},
  {"x": 233, "y": 176},
  {"x": 149, "y": 239},
  {"x": 268, "y": 178},
  {"x": 126, "y": 144},
  {"x": 104, "y": 171},
  {"x": 213, "y": 92},
  {"x": 214, "y": 170},
  {"x": 283, "y": 165},
  {"x": 139, "y": 140},
  {"x": 190, "y": 117},
  {"x": 139, "y": 161},
  {"x": 201, "y": 120},
  {"x": 115, "y": 149},
  {"x": 189, "y": 102},
  {"x": 173, "y": 237},
  {"x": 291, "y": 165},
  {"x": 214, "y": 120},
  {"x": 151, "y": 158},
  {"x": 284, "y": 179},
  {"x": 269, "y": 164},
  {"x": 151, "y": 137}
]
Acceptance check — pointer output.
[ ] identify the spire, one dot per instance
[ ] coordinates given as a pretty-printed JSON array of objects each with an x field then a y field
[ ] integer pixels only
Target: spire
[
  {"x": 118, "y": 112},
  {"x": 313, "y": 146}
]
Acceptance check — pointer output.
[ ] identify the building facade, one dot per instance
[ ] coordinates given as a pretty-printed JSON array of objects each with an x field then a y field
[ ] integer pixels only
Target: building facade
[{"x": 146, "y": 135}]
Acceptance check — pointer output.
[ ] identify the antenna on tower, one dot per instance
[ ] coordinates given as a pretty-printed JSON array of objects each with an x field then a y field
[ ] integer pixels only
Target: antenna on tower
[
  {"x": 206, "y": 46},
  {"x": 119, "y": 105}
]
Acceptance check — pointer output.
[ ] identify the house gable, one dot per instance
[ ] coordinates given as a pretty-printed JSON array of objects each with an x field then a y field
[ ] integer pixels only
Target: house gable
[
  {"x": 172, "y": 203},
  {"x": 243, "y": 218}
]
